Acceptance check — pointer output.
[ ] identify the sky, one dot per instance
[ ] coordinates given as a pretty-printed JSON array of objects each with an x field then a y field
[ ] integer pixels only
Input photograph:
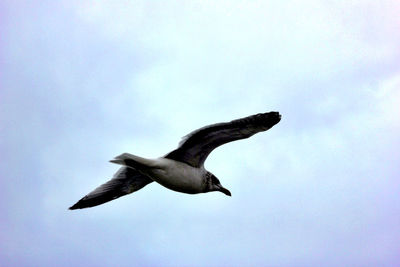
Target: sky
[{"x": 84, "y": 81}]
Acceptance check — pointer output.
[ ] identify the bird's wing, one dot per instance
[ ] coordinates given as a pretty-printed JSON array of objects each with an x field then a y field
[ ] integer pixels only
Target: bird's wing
[
  {"x": 125, "y": 181},
  {"x": 196, "y": 146}
]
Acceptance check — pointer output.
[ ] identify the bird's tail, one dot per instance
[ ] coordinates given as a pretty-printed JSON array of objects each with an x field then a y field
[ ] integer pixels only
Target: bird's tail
[{"x": 133, "y": 161}]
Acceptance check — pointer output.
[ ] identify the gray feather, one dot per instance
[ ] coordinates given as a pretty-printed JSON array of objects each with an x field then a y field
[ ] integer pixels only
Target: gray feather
[
  {"x": 125, "y": 181},
  {"x": 196, "y": 146}
]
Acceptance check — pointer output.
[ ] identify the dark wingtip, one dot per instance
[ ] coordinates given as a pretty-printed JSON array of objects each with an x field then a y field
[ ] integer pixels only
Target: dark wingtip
[
  {"x": 275, "y": 115},
  {"x": 279, "y": 117},
  {"x": 268, "y": 119},
  {"x": 78, "y": 205},
  {"x": 74, "y": 207}
]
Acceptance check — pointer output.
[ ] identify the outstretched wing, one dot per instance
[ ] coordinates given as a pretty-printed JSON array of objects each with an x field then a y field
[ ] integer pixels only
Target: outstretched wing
[
  {"x": 125, "y": 181},
  {"x": 196, "y": 146}
]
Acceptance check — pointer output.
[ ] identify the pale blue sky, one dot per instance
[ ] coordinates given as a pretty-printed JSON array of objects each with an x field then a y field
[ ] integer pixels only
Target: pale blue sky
[{"x": 83, "y": 81}]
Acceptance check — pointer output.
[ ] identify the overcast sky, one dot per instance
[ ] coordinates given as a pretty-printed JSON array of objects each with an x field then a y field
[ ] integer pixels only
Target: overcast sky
[{"x": 84, "y": 81}]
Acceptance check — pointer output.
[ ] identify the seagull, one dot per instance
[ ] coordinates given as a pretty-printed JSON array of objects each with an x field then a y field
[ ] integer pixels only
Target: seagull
[{"x": 182, "y": 169}]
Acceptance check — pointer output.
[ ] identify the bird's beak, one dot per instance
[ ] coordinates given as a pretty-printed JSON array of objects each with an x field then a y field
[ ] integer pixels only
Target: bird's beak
[{"x": 224, "y": 190}]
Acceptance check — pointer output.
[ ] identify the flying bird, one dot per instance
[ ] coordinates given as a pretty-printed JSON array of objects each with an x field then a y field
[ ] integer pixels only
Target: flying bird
[{"x": 182, "y": 169}]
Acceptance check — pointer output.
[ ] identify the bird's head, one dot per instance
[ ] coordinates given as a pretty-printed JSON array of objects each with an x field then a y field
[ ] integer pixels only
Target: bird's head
[{"x": 213, "y": 184}]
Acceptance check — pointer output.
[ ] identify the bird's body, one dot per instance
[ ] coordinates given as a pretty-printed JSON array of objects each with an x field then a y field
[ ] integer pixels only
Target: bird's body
[
  {"x": 180, "y": 170},
  {"x": 181, "y": 177},
  {"x": 172, "y": 174}
]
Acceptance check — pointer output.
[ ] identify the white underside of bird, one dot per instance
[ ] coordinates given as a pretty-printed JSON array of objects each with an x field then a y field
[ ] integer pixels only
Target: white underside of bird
[{"x": 172, "y": 174}]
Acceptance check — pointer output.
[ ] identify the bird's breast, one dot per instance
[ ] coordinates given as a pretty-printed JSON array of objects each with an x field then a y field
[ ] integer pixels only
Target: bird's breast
[{"x": 179, "y": 176}]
